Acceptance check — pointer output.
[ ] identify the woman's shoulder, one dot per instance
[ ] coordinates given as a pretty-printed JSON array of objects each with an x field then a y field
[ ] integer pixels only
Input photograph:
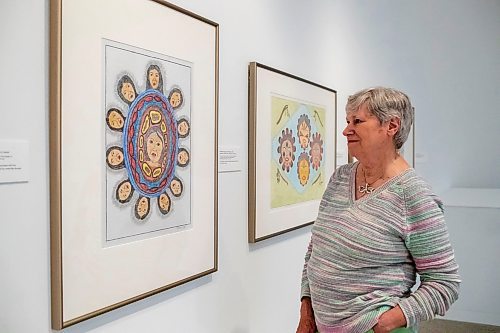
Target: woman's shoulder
[
  {"x": 413, "y": 181},
  {"x": 346, "y": 169},
  {"x": 343, "y": 172},
  {"x": 416, "y": 188}
]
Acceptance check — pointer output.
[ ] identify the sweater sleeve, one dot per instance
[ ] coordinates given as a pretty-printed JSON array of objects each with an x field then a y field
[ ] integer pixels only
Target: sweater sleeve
[
  {"x": 428, "y": 243},
  {"x": 305, "y": 292}
]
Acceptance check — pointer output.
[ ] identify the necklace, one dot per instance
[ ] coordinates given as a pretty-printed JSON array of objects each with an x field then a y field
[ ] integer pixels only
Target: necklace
[{"x": 367, "y": 188}]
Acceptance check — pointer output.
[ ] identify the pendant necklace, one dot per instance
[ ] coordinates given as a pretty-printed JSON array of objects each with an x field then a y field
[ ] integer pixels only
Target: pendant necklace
[{"x": 367, "y": 188}]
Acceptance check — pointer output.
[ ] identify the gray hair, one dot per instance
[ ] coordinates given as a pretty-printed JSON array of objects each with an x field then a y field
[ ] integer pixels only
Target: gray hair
[{"x": 385, "y": 103}]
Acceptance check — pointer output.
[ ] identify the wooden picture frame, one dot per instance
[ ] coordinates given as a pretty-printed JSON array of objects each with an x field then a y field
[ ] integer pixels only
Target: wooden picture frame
[
  {"x": 133, "y": 152},
  {"x": 291, "y": 149}
]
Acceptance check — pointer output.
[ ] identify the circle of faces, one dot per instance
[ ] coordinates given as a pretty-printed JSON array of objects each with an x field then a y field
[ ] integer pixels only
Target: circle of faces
[{"x": 115, "y": 156}]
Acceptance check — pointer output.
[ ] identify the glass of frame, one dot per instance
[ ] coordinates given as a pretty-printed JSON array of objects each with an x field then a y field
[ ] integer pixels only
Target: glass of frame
[
  {"x": 133, "y": 141},
  {"x": 291, "y": 149}
]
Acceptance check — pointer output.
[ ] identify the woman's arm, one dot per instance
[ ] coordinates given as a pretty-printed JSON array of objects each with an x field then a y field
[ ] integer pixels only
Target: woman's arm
[
  {"x": 428, "y": 242},
  {"x": 307, "y": 323},
  {"x": 390, "y": 320},
  {"x": 305, "y": 292}
]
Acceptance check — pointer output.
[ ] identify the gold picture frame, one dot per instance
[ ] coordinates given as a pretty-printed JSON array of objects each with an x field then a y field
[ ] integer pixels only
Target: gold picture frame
[
  {"x": 291, "y": 150},
  {"x": 92, "y": 273}
]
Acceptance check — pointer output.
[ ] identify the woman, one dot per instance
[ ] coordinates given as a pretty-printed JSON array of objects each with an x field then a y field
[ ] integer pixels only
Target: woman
[
  {"x": 378, "y": 225},
  {"x": 154, "y": 79}
]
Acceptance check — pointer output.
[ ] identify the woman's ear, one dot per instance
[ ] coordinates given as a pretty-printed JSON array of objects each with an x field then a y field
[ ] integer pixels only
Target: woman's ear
[{"x": 394, "y": 126}]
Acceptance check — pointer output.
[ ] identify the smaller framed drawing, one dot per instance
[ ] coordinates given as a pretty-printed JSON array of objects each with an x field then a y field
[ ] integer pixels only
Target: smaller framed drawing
[{"x": 291, "y": 149}]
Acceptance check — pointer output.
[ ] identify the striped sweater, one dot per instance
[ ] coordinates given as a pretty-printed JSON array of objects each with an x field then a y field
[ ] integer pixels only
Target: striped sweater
[{"x": 364, "y": 254}]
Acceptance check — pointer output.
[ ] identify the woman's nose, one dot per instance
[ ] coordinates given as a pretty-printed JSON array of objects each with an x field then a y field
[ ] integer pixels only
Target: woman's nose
[{"x": 347, "y": 130}]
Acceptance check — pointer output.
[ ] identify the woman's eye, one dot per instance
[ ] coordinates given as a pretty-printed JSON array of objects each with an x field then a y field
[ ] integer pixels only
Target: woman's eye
[{"x": 357, "y": 121}]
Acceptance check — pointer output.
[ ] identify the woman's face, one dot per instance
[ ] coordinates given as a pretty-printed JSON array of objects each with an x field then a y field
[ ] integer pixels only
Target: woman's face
[
  {"x": 316, "y": 154},
  {"x": 303, "y": 172},
  {"x": 128, "y": 91},
  {"x": 175, "y": 99},
  {"x": 142, "y": 207},
  {"x": 164, "y": 202},
  {"x": 154, "y": 147},
  {"x": 287, "y": 153},
  {"x": 183, "y": 157},
  {"x": 176, "y": 187},
  {"x": 364, "y": 132},
  {"x": 116, "y": 120},
  {"x": 304, "y": 133},
  {"x": 154, "y": 78},
  {"x": 183, "y": 127},
  {"x": 124, "y": 191},
  {"x": 115, "y": 157}
]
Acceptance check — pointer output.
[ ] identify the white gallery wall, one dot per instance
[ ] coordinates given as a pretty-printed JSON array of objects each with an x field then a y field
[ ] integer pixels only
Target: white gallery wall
[{"x": 444, "y": 54}]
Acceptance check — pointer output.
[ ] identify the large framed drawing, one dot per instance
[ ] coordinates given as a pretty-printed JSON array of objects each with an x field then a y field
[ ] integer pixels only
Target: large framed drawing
[
  {"x": 133, "y": 141},
  {"x": 292, "y": 150}
]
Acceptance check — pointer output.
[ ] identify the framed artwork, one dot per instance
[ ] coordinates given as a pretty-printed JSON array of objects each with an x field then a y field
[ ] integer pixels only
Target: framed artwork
[
  {"x": 292, "y": 150},
  {"x": 133, "y": 141}
]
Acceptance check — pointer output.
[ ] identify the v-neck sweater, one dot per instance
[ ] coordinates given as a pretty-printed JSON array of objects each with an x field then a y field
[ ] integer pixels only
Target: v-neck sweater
[{"x": 364, "y": 254}]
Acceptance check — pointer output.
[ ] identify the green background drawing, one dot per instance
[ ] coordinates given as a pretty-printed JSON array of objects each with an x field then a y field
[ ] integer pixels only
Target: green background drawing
[{"x": 283, "y": 194}]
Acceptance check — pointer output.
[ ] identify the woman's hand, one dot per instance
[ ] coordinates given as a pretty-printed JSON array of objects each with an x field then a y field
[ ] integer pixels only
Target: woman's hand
[
  {"x": 390, "y": 320},
  {"x": 306, "y": 323}
]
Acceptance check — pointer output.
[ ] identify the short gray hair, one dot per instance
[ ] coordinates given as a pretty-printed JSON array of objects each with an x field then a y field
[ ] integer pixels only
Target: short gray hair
[{"x": 385, "y": 103}]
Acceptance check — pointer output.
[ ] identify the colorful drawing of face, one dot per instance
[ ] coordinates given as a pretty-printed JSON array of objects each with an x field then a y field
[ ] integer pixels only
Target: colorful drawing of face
[
  {"x": 115, "y": 158},
  {"x": 287, "y": 153},
  {"x": 304, "y": 133},
  {"x": 316, "y": 150},
  {"x": 164, "y": 203},
  {"x": 303, "y": 170},
  {"x": 316, "y": 155},
  {"x": 151, "y": 136},
  {"x": 124, "y": 192},
  {"x": 286, "y": 149},
  {"x": 176, "y": 187},
  {"x": 175, "y": 99},
  {"x": 142, "y": 208},
  {"x": 154, "y": 147},
  {"x": 154, "y": 78},
  {"x": 115, "y": 120},
  {"x": 183, "y": 157},
  {"x": 183, "y": 128},
  {"x": 128, "y": 91}
]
